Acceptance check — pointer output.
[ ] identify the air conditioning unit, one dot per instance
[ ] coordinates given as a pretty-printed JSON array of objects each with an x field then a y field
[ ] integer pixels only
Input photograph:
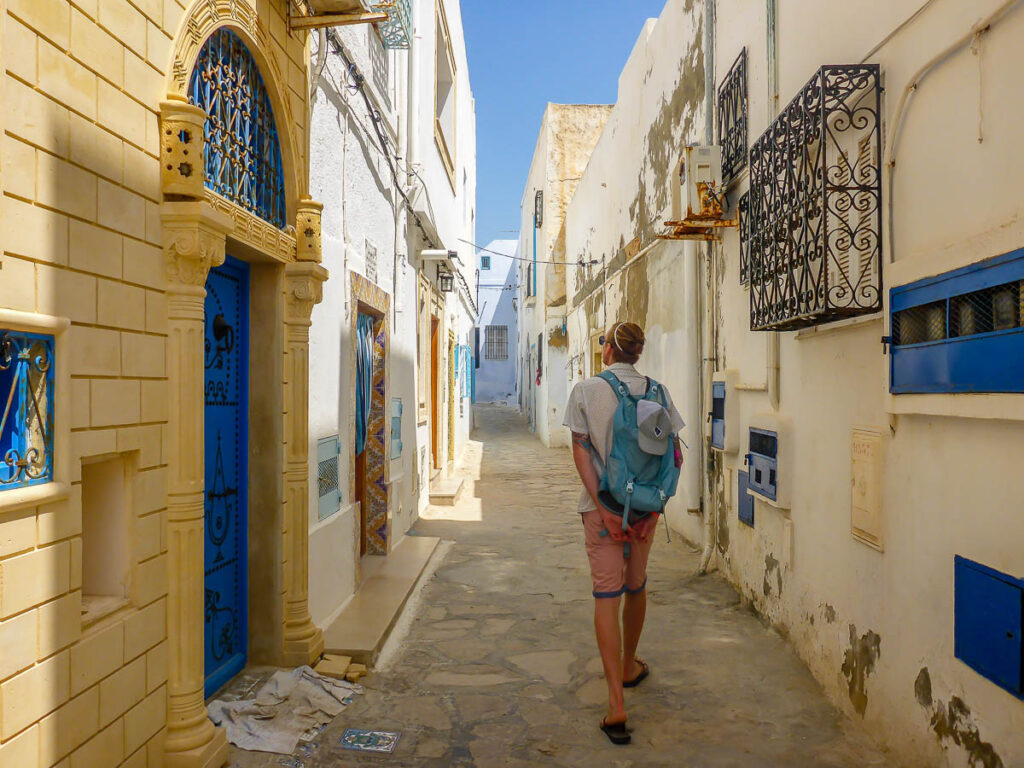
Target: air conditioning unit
[{"x": 697, "y": 192}]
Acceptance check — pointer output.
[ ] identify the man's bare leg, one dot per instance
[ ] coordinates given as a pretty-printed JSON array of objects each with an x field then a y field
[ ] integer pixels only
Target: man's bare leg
[
  {"x": 609, "y": 643},
  {"x": 633, "y": 613}
]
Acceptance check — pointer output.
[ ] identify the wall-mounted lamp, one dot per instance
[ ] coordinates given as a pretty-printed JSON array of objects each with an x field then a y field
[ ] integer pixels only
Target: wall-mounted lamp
[{"x": 445, "y": 279}]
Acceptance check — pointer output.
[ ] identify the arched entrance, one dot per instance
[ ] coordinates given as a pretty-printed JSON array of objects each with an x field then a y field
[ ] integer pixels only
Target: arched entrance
[{"x": 238, "y": 461}]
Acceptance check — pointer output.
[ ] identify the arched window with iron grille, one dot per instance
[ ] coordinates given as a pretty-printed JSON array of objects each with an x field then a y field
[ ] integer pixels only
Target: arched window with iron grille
[{"x": 243, "y": 154}]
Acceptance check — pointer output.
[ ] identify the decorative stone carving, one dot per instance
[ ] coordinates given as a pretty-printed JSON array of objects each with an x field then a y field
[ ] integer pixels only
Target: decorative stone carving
[
  {"x": 307, "y": 231},
  {"x": 254, "y": 231},
  {"x": 194, "y": 239},
  {"x": 303, "y": 641},
  {"x": 304, "y": 289},
  {"x": 182, "y": 166}
]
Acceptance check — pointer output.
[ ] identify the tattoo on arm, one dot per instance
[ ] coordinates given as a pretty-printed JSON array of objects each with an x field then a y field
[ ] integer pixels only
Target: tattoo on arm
[{"x": 582, "y": 440}]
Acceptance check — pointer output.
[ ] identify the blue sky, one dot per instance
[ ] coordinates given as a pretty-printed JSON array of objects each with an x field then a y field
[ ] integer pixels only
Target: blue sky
[{"x": 523, "y": 54}]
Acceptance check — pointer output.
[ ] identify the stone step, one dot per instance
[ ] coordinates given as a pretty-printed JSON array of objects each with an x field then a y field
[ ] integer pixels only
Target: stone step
[
  {"x": 366, "y": 622},
  {"x": 446, "y": 492}
]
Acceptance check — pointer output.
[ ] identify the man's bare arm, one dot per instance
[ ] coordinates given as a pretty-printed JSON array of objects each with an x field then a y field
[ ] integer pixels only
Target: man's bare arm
[{"x": 585, "y": 467}]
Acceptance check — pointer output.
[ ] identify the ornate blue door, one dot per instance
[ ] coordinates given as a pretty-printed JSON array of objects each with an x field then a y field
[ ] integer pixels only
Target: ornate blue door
[{"x": 226, "y": 453}]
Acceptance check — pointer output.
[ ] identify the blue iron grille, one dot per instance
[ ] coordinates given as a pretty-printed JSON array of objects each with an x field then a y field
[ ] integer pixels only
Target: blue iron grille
[
  {"x": 243, "y": 154},
  {"x": 26, "y": 409}
]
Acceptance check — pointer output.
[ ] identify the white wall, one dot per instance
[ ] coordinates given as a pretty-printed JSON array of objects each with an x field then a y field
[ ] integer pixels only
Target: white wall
[
  {"x": 349, "y": 174},
  {"x": 948, "y": 477}
]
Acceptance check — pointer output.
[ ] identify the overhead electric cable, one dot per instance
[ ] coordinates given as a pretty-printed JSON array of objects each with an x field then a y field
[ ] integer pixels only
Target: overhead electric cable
[{"x": 580, "y": 263}]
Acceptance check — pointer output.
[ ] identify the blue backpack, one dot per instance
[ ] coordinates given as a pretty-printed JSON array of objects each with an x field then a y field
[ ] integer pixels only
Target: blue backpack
[{"x": 640, "y": 483}]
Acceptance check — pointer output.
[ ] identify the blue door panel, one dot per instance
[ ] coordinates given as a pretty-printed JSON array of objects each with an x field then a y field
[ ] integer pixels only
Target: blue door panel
[
  {"x": 987, "y": 623},
  {"x": 226, "y": 455},
  {"x": 744, "y": 501}
]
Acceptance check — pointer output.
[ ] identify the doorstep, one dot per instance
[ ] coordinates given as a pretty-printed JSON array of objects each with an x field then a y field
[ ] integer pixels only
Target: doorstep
[
  {"x": 446, "y": 492},
  {"x": 366, "y": 622}
]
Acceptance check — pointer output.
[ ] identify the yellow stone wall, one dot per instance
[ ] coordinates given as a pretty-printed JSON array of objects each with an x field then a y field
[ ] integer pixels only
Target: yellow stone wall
[{"x": 81, "y": 239}]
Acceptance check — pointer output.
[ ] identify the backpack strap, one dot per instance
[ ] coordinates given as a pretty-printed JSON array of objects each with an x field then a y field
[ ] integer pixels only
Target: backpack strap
[{"x": 617, "y": 386}]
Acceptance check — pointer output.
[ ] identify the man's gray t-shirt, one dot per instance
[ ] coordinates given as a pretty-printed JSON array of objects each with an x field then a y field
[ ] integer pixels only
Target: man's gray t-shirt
[{"x": 591, "y": 409}]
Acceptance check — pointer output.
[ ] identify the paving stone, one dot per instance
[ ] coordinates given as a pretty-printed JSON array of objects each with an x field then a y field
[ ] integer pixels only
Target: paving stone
[{"x": 500, "y": 667}]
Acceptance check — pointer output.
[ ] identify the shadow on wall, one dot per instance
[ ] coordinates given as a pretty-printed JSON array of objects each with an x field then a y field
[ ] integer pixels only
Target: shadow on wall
[{"x": 81, "y": 240}]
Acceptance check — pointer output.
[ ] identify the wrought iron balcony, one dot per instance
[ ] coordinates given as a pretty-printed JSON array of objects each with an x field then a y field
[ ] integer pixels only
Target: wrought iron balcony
[
  {"x": 396, "y": 32},
  {"x": 814, "y": 238},
  {"x": 732, "y": 118},
  {"x": 26, "y": 409}
]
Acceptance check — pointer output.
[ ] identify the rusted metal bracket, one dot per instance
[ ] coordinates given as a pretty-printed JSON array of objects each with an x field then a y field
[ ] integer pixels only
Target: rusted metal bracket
[
  {"x": 696, "y": 229},
  {"x": 334, "y": 20}
]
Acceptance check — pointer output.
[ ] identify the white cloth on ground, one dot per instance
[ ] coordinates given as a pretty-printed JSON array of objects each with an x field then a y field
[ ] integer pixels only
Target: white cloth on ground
[{"x": 288, "y": 704}]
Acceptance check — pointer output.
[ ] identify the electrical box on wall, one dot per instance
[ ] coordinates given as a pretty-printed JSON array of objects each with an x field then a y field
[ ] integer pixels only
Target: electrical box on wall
[
  {"x": 724, "y": 416},
  {"x": 697, "y": 184},
  {"x": 866, "y": 486},
  {"x": 769, "y": 448}
]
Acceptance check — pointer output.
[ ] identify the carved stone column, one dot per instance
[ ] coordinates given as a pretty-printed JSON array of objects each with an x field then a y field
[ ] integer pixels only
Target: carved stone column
[
  {"x": 194, "y": 237},
  {"x": 303, "y": 641}
]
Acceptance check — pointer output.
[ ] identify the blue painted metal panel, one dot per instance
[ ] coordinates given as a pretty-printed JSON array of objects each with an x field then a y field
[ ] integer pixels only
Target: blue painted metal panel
[
  {"x": 744, "y": 501},
  {"x": 988, "y": 611},
  {"x": 992, "y": 361},
  {"x": 328, "y": 492},
  {"x": 763, "y": 459},
  {"x": 975, "y": 277},
  {"x": 718, "y": 414},
  {"x": 986, "y": 362},
  {"x": 26, "y": 409},
  {"x": 226, "y": 456},
  {"x": 243, "y": 153},
  {"x": 396, "y": 427}
]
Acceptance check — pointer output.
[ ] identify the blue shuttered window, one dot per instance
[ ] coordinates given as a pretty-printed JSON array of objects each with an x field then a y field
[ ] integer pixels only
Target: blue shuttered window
[{"x": 962, "y": 331}]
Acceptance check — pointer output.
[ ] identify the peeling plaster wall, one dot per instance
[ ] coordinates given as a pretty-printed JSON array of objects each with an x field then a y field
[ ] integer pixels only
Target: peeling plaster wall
[
  {"x": 617, "y": 209},
  {"x": 567, "y": 136},
  {"x": 867, "y": 623}
]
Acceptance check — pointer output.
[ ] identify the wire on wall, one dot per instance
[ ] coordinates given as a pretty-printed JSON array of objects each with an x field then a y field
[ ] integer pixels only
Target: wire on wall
[{"x": 580, "y": 263}]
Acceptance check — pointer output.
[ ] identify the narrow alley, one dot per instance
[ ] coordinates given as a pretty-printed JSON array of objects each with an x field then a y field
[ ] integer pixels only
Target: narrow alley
[{"x": 499, "y": 667}]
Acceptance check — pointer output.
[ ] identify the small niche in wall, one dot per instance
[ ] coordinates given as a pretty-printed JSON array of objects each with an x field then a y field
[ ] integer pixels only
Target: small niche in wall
[{"x": 107, "y": 514}]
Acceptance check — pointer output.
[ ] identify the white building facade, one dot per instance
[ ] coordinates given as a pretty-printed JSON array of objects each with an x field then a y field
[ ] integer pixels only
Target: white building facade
[
  {"x": 497, "y": 330},
  {"x": 393, "y": 158},
  {"x": 884, "y": 417},
  {"x": 567, "y": 136}
]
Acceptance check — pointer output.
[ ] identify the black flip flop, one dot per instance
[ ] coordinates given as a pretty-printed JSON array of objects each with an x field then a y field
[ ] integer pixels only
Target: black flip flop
[
  {"x": 639, "y": 678},
  {"x": 616, "y": 732}
]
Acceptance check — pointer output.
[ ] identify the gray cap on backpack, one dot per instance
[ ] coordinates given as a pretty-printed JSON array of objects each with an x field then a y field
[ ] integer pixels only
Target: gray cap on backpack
[{"x": 653, "y": 427}]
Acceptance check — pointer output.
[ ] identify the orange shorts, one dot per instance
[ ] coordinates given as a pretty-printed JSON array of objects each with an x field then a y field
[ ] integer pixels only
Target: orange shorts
[{"x": 611, "y": 572}]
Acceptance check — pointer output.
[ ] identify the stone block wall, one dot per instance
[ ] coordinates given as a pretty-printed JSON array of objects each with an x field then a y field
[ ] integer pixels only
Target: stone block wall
[{"x": 80, "y": 233}]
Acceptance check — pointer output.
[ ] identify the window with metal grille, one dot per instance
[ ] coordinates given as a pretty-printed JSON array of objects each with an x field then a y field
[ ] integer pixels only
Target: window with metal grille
[
  {"x": 485, "y": 262},
  {"x": 328, "y": 490},
  {"x": 962, "y": 331},
  {"x": 243, "y": 155},
  {"x": 26, "y": 409},
  {"x": 496, "y": 342},
  {"x": 815, "y": 204},
  {"x": 743, "y": 208},
  {"x": 379, "y": 66},
  {"x": 732, "y": 118},
  {"x": 396, "y": 32}
]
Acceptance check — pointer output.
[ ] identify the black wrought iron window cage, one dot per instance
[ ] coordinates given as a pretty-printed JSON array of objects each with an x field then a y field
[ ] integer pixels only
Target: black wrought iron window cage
[
  {"x": 732, "y": 119},
  {"x": 743, "y": 211},
  {"x": 26, "y": 409},
  {"x": 815, "y": 252}
]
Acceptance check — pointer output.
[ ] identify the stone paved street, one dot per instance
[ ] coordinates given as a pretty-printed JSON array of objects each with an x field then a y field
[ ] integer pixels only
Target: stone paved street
[{"x": 499, "y": 667}]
